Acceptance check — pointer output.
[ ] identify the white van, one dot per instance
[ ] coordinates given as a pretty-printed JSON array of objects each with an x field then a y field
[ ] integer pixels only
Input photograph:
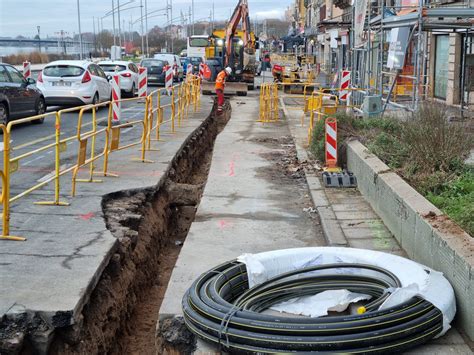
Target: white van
[{"x": 174, "y": 61}]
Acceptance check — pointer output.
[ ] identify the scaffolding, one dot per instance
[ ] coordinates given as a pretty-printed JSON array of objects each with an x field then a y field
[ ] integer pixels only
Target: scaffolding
[{"x": 404, "y": 88}]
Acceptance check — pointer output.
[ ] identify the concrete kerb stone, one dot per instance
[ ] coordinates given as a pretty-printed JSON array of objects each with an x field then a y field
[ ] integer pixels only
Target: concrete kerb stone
[
  {"x": 422, "y": 230},
  {"x": 331, "y": 227}
]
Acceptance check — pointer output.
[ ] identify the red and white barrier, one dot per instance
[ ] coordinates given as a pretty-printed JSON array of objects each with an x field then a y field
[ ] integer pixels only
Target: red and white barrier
[
  {"x": 169, "y": 79},
  {"x": 142, "y": 82},
  {"x": 189, "y": 70},
  {"x": 116, "y": 105},
  {"x": 201, "y": 70},
  {"x": 27, "y": 70},
  {"x": 331, "y": 142},
  {"x": 345, "y": 82}
]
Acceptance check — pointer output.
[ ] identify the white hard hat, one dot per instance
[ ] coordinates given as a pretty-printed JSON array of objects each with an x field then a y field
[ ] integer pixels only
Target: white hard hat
[{"x": 228, "y": 70}]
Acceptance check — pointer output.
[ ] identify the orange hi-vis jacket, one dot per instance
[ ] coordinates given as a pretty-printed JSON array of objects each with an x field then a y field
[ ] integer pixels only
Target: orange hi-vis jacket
[{"x": 220, "y": 80}]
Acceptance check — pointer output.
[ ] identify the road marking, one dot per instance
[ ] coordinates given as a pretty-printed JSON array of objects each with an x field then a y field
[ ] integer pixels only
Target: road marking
[
  {"x": 52, "y": 136},
  {"x": 40, "y": 140},
  {"x": 32, "y": 160},
  {"x": 1, "y": 145},
  {"x": 52, "y": 174},
  {"x": 34, "y": 142}
]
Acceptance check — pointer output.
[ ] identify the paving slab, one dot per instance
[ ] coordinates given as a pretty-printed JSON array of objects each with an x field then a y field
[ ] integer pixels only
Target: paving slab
[{"x": 67, "y": 248}]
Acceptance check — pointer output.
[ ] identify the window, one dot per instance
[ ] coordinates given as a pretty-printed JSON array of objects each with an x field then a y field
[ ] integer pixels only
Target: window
[
  {"x": 441, "y": 66},
  {"x": 101, "y": 72},
  {"x": 198, "y": 42},
  {"x": 93, "y": 70},
  {"x": 4, "y": 78},
  {"x": 133, "y": 67},
  {"x": 112, "y": 67},
  {"x": 153, "y": 63},
  {"x": 63, "y": 71},
  {"x": 15, "y": 75}
]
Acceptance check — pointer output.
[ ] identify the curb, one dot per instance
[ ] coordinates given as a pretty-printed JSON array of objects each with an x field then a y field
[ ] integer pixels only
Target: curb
[
  {"x": 331, "y": 227},
  {"x": 423, "y": 231}
]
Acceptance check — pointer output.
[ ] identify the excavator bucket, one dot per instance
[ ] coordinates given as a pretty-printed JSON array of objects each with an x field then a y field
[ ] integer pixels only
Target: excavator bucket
[{"x": 231, "y": 88}]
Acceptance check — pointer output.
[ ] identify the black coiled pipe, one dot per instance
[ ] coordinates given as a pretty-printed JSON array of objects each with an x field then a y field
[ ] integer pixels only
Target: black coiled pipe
[{"x": 220, "y": 308}]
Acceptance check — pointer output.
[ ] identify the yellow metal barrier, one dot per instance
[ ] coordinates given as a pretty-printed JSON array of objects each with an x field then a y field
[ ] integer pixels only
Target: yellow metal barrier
[
  {"x": 5, "y": 196},
  {"x": 183, "y": 97}
]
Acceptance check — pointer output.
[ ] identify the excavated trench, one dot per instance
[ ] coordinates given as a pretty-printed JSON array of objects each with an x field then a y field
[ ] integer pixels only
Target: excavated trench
[{"x": 150, "y": 225}]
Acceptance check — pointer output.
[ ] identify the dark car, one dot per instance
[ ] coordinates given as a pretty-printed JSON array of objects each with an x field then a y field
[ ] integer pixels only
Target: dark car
[
  {"x": 18, "y": 96},
  {"x": 155, "y": 72},
  {"x": 215, "y": 65},
  {"x": 195, "y": 61}
]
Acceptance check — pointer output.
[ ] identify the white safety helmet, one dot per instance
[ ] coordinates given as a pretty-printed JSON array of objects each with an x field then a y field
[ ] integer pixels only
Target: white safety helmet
[{"x": 228, "y": 70}]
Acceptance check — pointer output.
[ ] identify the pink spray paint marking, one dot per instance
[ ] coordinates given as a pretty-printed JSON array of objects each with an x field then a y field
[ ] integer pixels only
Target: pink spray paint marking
[
  {"x": 87, "y": 216},
  {"x": 224, "y": 224},
  {"x": 232, "y": 168}
]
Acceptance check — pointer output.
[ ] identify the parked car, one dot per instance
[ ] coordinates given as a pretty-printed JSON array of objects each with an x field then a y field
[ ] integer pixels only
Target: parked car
[
  {"x": 74, "y": 82},
  {"x": 184, "y": 63},
  {"x": 155, "y": 72},
  {"x": 128, "y": 74},
  {"x": 18, "y": 96},
  {"x": 174, "y": 61},
  {"x": 195, "y": 61}
]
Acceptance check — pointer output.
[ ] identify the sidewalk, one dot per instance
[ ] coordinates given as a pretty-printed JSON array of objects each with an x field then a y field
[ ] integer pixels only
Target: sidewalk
[
  {"x": 349, "y": 220},
  {"x": 49, "y": 278},
  {"x": 254, "y": 201}
]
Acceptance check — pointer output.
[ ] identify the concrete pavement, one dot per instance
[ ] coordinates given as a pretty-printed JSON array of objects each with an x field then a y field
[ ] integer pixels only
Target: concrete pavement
[{"x": 255, "y": 200}]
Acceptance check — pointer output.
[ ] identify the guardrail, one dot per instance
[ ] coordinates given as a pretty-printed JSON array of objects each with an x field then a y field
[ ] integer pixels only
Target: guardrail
[{"x": 183, "y": 96}]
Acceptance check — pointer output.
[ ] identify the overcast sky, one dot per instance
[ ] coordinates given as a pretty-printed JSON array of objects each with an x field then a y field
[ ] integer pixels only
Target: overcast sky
[{"x": 21, "y": 17}]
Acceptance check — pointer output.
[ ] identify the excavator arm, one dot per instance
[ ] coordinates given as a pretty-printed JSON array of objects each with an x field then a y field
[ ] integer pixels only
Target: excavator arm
[{"x": 241, "y": 13}]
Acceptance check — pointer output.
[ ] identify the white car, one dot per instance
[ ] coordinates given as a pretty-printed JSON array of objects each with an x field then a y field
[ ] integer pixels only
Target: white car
[
  {"x": 73, "y": 82},
  {"x": 128, "y": 74},
  {"x": 175, "y": 62}
]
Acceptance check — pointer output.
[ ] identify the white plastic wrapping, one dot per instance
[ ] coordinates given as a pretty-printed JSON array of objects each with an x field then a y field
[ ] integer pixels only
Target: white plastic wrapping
[
  {"x": 416, "y": 279},
  {"x": 320, "y": 304}
]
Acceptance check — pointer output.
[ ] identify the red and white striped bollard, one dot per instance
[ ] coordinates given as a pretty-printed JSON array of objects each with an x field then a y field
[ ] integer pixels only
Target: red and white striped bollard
[
  {"x": 116, "y": 96},
  {"x": 169, "y": 79},
  {"x": 345, "y": 82},
  {"x": 189, "y": 71},
  {"x": 201, "y": 70},
  {"x": 331, "y": 143},
  {"x": 142, "y": 82},
  {"x": 26, "y": 70}
]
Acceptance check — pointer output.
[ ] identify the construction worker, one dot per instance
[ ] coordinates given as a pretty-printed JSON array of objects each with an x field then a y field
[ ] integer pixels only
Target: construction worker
[{"x": 220, "y": 85}]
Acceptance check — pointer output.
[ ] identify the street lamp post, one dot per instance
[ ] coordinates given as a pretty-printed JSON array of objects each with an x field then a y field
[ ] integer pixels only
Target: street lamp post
[
  {"x": 141, "y": 21},
  {"x": 119, "y": 26},
  {"x": 113, "y": 19},
  {"x": 146, "y": 28},
  {"x": 80, "y": 33},
  {"x": 39, "y": 38},
  {"x": 192, "y": 6}
]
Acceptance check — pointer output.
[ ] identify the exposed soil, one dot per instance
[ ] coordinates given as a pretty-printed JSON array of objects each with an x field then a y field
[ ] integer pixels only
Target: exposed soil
[
  {"x": 150, "y": 225},
  {"x": 287, "y": 171}
]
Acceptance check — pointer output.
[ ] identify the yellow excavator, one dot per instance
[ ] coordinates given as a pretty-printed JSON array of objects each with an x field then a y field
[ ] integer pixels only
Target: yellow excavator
[{"x": 235, "y": 48}]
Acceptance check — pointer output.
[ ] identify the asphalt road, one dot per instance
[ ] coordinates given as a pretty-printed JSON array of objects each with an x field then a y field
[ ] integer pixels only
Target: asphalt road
[{"x": 40, "y": 166}]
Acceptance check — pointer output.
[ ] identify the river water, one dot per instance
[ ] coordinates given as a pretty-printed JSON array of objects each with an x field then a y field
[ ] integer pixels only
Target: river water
[{"x": 7, "y": 50}]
